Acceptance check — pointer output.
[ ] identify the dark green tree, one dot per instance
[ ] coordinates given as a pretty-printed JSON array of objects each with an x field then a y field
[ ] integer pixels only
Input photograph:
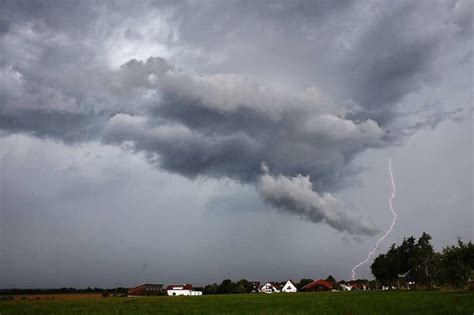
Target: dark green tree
[
  {"x": 423, "y": 262},
  {"x": 406, "y": 253},
  {"x": 331, "y": 280},
  {"x": 302, "y": 283},
  {"x": 210, "y": 289},
  {"x": 457, "y": 264},
  {"x": 335, "y": 284},
  {"x": 244, "y": 286},
  {"x": 386, "y": 267},
  {"x": 227, "y": 287},
  {"x": 414, "y": 260}
]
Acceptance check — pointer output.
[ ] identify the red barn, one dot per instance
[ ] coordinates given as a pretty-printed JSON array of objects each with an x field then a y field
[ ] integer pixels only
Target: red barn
[{"x": 318, "y": 285}]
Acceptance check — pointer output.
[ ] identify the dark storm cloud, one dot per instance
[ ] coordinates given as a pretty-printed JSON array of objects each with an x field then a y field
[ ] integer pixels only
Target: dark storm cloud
[
  {"x": 301, "y": 86},
  {"x": 179, "y": 149},
  {"x": 63, "y": 125},
  {"x": 387, "y": 71},
  {"x": 299, "y": 132},
  {"x": 373, "y": 53},
  {"x": 405, "y": 40}
]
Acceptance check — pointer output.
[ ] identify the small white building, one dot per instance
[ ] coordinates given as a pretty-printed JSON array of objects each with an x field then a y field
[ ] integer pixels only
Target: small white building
[
  {"x": 289, "y": 287},
  {"x": 186, "y": 290},
  {"x": 270, "y": 287},
  {"x": 355, "y": 286}
]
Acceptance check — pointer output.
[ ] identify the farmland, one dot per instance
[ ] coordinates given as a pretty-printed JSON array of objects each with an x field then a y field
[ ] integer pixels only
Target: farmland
[{"x": 380, "y": 302}]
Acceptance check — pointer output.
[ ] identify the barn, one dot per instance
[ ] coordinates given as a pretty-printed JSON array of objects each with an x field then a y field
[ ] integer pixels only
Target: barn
[
  {"x": 318, "y": 285},
  {"x": 146, "y": 289}
]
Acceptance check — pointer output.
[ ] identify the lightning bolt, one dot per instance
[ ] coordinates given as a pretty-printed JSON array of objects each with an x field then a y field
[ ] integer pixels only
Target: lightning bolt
[{"x": 372, "y": 252}]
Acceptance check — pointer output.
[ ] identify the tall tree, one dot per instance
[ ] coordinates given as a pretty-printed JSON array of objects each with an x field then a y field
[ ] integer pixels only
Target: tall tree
[
  {"x": 424, "y": 262},
  {"x": 244, "y": 286},
  {"x": 457, "y": 264},
  {"x": 210, "y": 289},
  {"x": 406, "y": 253},
  {"x": 331, "y": 280},
  {"x": 302, "y": 283},
  {"x": 386, "y": 268},
  {"x": 227, "y": 287}
]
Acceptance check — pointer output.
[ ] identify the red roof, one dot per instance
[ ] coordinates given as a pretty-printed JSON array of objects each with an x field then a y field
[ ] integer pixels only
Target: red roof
[
  {"x": 186, "y": 286},
  {"x": 315, "y": 283}
]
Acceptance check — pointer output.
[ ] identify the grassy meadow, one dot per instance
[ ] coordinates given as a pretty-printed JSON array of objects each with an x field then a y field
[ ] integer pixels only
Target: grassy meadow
[{"x": 380, "y": 302}]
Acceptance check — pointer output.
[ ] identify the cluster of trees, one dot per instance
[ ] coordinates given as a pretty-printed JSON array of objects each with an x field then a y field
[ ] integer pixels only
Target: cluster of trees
[
  {"x": 416, "y": 261},
  {"x": 228, "y": 287}
]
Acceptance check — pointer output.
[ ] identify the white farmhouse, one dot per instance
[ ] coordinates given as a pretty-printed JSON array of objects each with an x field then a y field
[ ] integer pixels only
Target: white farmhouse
[
  {"x": 186, "y": 289},
  {"x": 270, "y": 287},
  {"x": 289, "y": 287}
]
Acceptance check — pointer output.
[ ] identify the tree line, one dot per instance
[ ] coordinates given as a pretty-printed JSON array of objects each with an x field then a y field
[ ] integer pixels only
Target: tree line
[{"x": 416, "y": 263}]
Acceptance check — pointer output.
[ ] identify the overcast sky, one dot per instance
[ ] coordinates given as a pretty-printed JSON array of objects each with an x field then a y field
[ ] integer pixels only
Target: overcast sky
[{"x": 193, "y": 141}]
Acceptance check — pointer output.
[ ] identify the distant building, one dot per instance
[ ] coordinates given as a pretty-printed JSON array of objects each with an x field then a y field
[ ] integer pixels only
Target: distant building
[
  {"x": 318, "y": 285},
  {"x": 270, "y": 287},
  {"x": 255, "y": 286},
  {"x": 146, "y": 289},
  {"x": 182, "y": 289},
  {"x": 289, "y": 287},
  {"x": 357, "y": 285}
]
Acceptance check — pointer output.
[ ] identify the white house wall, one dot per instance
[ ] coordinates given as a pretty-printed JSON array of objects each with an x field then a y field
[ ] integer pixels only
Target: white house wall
[
  {"x": 268, "y": 288},
  {"x": 289, "y": 287},
  {"x": 178, "y": 292}
]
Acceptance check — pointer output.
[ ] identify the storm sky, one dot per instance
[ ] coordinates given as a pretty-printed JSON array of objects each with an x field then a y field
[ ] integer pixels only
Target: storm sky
[{"x": 193, "y": 141}]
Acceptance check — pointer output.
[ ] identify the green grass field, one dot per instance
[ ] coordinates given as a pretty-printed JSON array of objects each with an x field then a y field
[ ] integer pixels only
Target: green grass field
[{"x": 300, "y": 303}]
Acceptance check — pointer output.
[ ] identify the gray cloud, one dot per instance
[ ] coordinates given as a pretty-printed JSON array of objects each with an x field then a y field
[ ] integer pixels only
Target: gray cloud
[
  {"x": 179, "y": 149},
  {"x": 295, "y": 195},
  {"x": 372, "y": 53},
  {"x": 305, "y": 96},
  {"x": 66, "y": 126},
  {"x": 225, "y": 125}
]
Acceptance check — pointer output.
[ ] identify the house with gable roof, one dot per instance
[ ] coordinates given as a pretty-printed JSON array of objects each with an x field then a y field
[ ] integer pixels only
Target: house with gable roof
[
  {"x": 289, "y": 287},
  {"x": 270, "y": 287}
]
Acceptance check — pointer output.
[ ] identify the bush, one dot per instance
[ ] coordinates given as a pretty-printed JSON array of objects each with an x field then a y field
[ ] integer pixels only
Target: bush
[
  {"x": 105, "y": 294},
  {"x": 6, "y": 298}
]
